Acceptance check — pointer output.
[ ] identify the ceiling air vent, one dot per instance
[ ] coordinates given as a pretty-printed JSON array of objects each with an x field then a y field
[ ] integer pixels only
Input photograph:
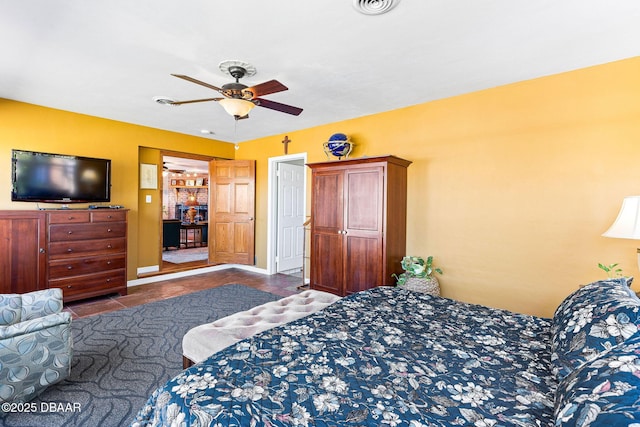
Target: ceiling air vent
[{"x": 374, "y": 7}]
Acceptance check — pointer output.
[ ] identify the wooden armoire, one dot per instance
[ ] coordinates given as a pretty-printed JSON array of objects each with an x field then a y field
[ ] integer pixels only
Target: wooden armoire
[{"x": 358, "y": 223}]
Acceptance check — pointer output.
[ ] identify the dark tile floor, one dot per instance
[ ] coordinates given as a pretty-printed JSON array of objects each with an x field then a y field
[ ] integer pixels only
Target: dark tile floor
[{"x": 279, "y": 284}]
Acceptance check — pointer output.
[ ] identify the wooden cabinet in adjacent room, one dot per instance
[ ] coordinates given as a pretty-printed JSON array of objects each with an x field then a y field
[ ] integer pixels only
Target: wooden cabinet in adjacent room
[
  {"x": 22, "y": 251},
  {"x": 87, "y": 252},
  {"x": 358, "y": 223}
]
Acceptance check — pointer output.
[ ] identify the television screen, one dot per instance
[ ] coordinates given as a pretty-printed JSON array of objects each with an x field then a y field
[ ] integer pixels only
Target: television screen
[{"x": 46, "y": 177}]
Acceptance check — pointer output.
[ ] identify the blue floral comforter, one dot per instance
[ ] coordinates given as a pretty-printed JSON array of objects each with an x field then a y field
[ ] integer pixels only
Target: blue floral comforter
[{"x": 382, "y": 357}]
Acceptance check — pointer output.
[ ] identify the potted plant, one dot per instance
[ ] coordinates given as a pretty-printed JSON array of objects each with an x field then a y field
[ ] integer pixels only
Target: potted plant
[
  {"x": 611, "y": 270},
  {"x": 419, "y": 275}
]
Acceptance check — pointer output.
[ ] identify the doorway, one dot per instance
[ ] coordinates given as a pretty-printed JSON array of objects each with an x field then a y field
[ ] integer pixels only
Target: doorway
[
  {"x": 286, "y": 214},
  {"x": 185, "y": 211}
]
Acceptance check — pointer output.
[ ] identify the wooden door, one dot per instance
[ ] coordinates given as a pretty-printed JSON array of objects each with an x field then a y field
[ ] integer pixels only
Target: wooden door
[
  {"x": 22, "y": 251},
  {"x": 232, "y": 212},
  {"x": 363, "y": 228},
  {"x": 326, "y": 231}
]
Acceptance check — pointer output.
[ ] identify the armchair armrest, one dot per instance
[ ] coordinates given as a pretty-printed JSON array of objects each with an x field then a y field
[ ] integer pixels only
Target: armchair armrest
[{"x": 34, "y": 325}]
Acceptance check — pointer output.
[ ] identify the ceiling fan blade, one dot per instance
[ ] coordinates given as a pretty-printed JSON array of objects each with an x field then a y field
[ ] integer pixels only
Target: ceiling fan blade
[
  {"x": 284, "y": 108},
  {"x": 195, "y": 100},
  {"x": 272, "y": 86},
  {"x": 201, "y": 83}
]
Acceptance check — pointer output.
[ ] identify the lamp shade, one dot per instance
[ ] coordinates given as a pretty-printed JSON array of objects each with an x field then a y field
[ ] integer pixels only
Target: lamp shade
[
  {"x": 236, "y": 107},
  {"x": 627, "y": 224}
]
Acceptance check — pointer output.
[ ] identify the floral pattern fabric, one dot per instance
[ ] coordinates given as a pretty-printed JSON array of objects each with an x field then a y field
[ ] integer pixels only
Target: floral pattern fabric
[
  {"x": 591, "y": 321},
  {"x": 604, "y": 391},
  {"x": 382, "y": 357}
]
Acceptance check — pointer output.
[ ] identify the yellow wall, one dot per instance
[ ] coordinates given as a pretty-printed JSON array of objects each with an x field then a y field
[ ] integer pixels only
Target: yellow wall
[
  {"x": 30, "y": 127},
  {"x": 511, "y": 187},
  {"x": 150, "y": 214}
]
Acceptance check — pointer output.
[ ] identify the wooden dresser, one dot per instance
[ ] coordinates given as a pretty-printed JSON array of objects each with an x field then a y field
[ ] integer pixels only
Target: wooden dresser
[
  {"x": 358, "y": 223},
  {"x": 87, "y": 252},
  {"x": 83, "y": 252}
]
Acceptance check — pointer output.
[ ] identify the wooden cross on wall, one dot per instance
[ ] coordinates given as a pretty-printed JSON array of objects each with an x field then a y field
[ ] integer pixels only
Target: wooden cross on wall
[{"x": 286, "y": 142}]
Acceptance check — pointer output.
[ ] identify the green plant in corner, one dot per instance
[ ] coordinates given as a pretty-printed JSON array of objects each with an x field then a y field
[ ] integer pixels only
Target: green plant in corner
[
  {"x": 415, "y": 266},
  {"x": 611, "y": 270}
]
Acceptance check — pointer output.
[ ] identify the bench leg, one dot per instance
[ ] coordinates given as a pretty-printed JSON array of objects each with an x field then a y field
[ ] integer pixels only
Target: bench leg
[{"x": 186, "y": 362}]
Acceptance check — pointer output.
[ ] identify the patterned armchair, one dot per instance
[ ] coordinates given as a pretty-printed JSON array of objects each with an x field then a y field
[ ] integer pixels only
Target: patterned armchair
[{"x": 35, "y": 343}]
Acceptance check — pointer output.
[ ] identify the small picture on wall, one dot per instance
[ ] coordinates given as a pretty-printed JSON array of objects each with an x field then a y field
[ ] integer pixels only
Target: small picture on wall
[
  {"x": 190, "y": 183},
  {"x": 174, "y": 182},
  {"x": 148, "y": 176},
  {"x": 181, "y": 182},
  {"x": 199, "y": 182}
]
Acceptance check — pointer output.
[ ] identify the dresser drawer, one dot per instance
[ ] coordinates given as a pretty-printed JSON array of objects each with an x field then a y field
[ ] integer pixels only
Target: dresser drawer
[
  {"x": 91, "y": 285},
  {"x": 108, "y": 215},
  {"x": 66, "y": 217},
  {"x": 74, "y": 249},
  {"x": 67, "y": 232},
  {"x": 87, "y": 265}
]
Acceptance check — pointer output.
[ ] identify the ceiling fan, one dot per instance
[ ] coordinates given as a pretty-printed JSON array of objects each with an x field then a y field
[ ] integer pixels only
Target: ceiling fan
[
  {"x": 239, "y": 99},
  {"x": 168, "y": 168}
]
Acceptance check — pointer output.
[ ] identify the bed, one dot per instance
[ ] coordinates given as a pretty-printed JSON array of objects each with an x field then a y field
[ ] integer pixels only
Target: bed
[{"x": 393, "y": 357}]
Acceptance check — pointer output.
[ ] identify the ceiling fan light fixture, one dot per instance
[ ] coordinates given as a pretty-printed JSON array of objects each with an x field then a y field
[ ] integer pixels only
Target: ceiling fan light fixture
[
  {"x": 236, "y": 107},
  {"x": 374, "y": 7}
]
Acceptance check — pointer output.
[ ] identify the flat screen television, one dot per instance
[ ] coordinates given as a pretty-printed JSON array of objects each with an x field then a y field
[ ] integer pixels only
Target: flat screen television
[{"x": 58, "y": 178}]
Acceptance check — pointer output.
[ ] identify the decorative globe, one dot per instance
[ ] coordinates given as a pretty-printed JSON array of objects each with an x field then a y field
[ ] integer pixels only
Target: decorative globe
[{"x": 338, "y": 145}]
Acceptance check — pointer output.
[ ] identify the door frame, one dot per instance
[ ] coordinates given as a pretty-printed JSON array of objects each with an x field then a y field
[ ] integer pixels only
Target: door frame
[
  {"x": 184, "y": 155},
  {"x": 272, "y": 205}
]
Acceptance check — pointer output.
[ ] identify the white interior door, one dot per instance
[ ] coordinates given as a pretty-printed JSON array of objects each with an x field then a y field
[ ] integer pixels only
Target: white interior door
[{"x": 290, "y": 219}]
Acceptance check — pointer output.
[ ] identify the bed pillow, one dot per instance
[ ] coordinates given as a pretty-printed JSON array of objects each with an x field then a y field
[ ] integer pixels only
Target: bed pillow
[
  {"x": 591, "y": 321},
  {"x": 602, "y": 392}
]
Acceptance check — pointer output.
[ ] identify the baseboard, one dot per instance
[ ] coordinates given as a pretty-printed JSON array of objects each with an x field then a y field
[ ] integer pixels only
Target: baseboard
[
  {"x": 149, "y": 269},
  {"x": 194, "y": 272}
]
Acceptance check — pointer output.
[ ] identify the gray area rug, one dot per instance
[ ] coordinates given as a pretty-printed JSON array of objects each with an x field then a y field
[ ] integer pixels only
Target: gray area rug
[{"x": 121, "y": 357}]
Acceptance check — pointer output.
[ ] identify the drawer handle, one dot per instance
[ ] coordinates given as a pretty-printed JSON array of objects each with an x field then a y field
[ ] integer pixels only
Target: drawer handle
[
  {"x": 69, "y": 232},
  {"x": 69, "y": 286},
  {"x": 109, "y": 246},
  {"x": 109, "y": 262},
  {"x": 69, "y": 250},
  {"x": 69, "y": 267},
  {"x": 108, "y": 230},
  {"x": 108, "y": 280},
  {"x": 109, "y": 217}
]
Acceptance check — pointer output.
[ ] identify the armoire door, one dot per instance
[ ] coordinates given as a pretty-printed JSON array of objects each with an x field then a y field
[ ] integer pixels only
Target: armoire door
[
  {"x": 326, "y": 239},
  {"x": 363, "y": 228}
]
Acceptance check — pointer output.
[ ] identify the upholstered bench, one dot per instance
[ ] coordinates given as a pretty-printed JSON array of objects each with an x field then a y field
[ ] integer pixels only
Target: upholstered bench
[{"x": 204, "y": 340}]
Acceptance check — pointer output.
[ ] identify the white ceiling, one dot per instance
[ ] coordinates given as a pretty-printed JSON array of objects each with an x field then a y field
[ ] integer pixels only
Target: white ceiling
[
  {"x": 184, "y": 165},
  {"x": 111, "y": 58}
]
